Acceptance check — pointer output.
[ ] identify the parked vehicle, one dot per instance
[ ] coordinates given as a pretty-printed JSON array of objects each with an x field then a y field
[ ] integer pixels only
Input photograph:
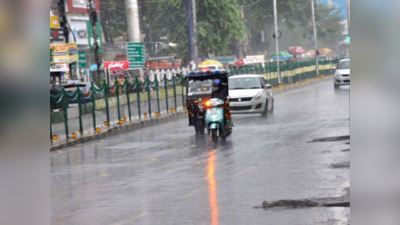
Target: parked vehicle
[
  {"x": 250, "y": 94},
  {"x": 342, "y": 73},
  {"x": 83, "y": 87}
]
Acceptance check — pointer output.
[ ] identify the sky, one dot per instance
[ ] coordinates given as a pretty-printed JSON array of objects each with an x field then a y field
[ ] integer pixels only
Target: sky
[{"x": 342, "y": 4}]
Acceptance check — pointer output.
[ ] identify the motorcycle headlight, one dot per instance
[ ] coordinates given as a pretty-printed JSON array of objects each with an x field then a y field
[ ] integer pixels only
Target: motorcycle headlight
[{"x": 258, "y": 96}]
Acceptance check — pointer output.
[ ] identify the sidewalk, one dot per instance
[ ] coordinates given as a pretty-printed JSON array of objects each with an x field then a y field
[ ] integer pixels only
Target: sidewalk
[{"x": 118, "y": 129}]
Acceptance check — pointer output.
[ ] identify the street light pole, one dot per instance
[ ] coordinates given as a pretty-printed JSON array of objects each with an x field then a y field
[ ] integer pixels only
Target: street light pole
[
  {"x": 195, "y": 49},
  {"x": 277, "y": 43},
  {"x": 315, "y": 37},
  {"x": 132, "y": 17},
  {"x": 348, "y": 16}
]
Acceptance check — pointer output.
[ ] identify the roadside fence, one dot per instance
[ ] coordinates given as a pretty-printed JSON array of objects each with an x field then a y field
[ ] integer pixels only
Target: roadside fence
[{"x": 79, "y": 113}]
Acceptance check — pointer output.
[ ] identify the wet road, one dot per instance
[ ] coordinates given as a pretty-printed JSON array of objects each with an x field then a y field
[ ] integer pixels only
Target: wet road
[{"x": 165, "y": 175}]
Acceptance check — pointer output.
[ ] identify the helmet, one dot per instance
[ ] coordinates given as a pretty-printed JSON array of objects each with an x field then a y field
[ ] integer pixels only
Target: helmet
[{"x": 217, "y": 82}]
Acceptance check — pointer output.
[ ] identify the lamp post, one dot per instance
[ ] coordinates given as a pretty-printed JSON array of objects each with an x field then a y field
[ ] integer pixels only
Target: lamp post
[
  {"x": 277, "y": 43},
  {"x": 315, "y": 36}
]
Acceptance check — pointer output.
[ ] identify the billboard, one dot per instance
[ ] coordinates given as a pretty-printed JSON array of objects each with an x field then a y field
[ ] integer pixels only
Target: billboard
[
  {"x": 79, "y": 29},
  {"x": 80, "y": 6},
  {"x": 65, "y": 53}
]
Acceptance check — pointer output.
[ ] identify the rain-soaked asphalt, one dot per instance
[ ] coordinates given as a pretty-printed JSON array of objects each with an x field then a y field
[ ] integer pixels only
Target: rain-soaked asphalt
[{"x": 165, "y": 175}]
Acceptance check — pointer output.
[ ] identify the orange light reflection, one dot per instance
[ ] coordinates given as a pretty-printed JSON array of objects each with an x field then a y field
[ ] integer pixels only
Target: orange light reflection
[{"x": 212, "y": 188}]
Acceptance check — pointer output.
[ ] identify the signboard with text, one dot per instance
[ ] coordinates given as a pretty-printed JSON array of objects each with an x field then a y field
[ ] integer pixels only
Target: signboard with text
[
  {"x": 116, "y": 65},
  {"x": 82, "y": 59},
  {"x": 54, "y": 22},
  {"x": 64, "y": 53},
  {"x": 90, "y": 35},
  {"x": 135, "y": 53}
]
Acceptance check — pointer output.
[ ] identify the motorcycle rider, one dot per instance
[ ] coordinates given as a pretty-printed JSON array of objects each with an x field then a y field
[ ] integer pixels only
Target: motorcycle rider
[{"x": 219, "y": 90}]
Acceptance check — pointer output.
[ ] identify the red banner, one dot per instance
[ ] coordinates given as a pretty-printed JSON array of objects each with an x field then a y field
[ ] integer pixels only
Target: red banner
[{"x": 116, "y": 65}]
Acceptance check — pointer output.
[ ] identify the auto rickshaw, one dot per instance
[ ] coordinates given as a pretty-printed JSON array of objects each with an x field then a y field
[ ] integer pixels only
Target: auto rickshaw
[{"x": 198, "y": 91}]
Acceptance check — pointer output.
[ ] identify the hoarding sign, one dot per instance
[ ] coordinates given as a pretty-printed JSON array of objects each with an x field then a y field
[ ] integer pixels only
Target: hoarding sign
[
  {"x": 116, "y": 65},
  {"x": 90, "y": 35},
  {"x": 64, "y": 53}
]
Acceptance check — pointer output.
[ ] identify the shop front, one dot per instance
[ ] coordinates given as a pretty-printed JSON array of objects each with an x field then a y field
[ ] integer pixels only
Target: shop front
[
  {"x": 65, "y": 58},
  {"x": 115, "y": 70}
]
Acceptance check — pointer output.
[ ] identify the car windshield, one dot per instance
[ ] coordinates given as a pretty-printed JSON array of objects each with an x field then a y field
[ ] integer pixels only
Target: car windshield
[
  {"x": 344, "y": 65},
  {"x": 199, "y": 87},
  {"x": 244, "y": 83}
]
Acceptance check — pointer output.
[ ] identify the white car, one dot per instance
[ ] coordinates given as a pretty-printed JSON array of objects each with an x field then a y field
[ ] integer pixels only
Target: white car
[
  {"x": 342, "y": 73},
  {"x": 250, "y": 94}
]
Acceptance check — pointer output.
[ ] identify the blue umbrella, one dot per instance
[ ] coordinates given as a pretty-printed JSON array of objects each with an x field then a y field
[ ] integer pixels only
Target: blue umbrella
[
  {"x": 281, "y": 57},
  {"x": 94, "y": 67}
]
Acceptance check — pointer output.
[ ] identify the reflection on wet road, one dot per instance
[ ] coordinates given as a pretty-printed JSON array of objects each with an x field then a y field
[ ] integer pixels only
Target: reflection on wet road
[
  {"x": 166, "y": 175},
  {"x": 212, "y": 188}
]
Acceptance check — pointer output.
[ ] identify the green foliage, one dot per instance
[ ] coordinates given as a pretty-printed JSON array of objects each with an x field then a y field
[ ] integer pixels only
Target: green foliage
[
  {"x": 51, "y": 57},
  {"x": 218, "y": 25},
  {"x": 113, "y": 19},
  {"x": 295, "y": 22}
]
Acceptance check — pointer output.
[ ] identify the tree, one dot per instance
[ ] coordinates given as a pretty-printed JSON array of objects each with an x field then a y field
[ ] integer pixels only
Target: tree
[
  {"x": 113, "y": 20},
  {"x": 218, "y": 25},
  {"x": 294, "y": 20}
]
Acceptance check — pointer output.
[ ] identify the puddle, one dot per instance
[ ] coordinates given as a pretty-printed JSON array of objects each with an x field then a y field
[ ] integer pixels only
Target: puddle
[
  {"x": 289, "y": 204},
  {"x": 306, "y": 203},
  {"x": 327, "y": 139},
  {"x": 343, "y": 201}
]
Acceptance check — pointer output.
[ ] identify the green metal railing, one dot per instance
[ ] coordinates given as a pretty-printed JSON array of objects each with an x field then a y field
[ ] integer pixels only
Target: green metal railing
[
  {"x": 113, "y": 105},
  {"x": 292, "y": 72}
]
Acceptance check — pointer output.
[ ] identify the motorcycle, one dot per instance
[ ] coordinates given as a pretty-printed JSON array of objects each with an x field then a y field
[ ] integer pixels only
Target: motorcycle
[{"x": 215, "y": 120}]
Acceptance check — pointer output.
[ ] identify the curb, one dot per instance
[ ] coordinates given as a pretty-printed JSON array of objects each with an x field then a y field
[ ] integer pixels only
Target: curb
[
  {"x": 121, "y": 129},
  {"x": 284, "y": 87}
]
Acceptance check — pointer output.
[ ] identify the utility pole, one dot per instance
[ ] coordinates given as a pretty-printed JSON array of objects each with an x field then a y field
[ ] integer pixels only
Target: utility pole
[
  {"x": 315, "y": 37},
  {"x": 277, "y": 43},
  {"x": 242, "y": 45},
  {"x": 93, "y": 21},
  {"x": 348, "y": 16},
  {"x": 190, "y": 29},
  {"x": 195, "y": 49},
  {"x": 132, "y": 17}
]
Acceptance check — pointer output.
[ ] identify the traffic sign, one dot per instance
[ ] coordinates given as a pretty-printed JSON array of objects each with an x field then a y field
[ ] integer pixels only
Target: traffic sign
[
  {"x": 82, "y": 59},
  {"x": 135, "y": 54}
]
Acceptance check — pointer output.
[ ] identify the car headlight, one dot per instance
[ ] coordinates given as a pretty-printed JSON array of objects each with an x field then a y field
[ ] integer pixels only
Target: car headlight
[
  {"x": 258, "y": 96},
  {"x": 337, "y": 73}
]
